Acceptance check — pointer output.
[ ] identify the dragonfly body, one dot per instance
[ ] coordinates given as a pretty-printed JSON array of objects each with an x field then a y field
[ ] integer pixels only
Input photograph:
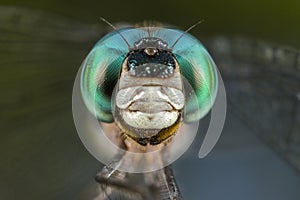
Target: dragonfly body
[{"x": 146, "y": 81}]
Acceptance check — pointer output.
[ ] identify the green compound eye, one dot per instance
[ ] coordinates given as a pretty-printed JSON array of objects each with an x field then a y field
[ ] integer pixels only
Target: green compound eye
[
  {"x": 200, "y": 70},
  {"x": 102, "y": 67},
  {"x": 100, "y": 74}
]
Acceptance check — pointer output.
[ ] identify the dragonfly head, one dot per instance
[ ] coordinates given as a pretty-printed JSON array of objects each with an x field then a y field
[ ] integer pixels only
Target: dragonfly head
[
  {"x": 139, "y": 79},
  {"x": 149, "y": 85}
]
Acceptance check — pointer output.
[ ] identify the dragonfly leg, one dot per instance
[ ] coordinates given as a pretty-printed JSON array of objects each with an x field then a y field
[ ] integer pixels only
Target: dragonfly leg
[
  {"x": 115, "y": 184},
  {"x": 160, "y": 185}
]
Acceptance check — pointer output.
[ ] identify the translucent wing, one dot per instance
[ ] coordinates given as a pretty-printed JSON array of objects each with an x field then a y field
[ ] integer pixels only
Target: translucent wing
[
  {"x": 257, "y": 156},
  {"x": 41, "y": 154},
  {"x": 263, "y": 86}
]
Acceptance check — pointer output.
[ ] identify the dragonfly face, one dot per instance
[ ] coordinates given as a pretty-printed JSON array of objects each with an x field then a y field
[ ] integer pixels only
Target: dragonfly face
[
  {"x": 138, "y": 79},
  {"x": 150, "y": 97}
]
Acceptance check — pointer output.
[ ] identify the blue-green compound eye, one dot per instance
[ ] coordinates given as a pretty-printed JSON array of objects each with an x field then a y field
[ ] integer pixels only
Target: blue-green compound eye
[{"x": 101, "y": 69}]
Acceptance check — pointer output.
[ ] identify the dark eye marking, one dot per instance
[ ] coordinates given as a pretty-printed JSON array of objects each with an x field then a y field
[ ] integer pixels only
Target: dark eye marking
[{"x": 151, "y": 62}]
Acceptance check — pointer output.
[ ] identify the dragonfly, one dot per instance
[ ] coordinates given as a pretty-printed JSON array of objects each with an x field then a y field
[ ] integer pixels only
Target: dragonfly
[
  {"x": 45, "y": 159},
  {"x": 146, "y": 111}
]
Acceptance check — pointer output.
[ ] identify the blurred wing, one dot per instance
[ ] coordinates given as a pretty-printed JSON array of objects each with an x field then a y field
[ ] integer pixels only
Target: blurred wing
[
  {"x": 41, "y": 154},
  {"x": 262, "y": 83}
]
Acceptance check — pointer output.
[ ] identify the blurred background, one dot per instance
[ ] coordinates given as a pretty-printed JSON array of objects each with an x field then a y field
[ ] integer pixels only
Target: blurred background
[
  {"x": 42, "y": 46},
  {"x": 271, "y": 20}
]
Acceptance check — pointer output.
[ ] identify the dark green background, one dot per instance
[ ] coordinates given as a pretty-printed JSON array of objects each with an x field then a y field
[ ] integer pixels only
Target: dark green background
[{"x": 266, "y": 19}]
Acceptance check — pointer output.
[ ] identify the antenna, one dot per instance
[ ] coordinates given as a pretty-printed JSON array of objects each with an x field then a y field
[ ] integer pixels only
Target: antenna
[
  {"x": 111, "y": 25},
  {"x": 186, "y": 31}
]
